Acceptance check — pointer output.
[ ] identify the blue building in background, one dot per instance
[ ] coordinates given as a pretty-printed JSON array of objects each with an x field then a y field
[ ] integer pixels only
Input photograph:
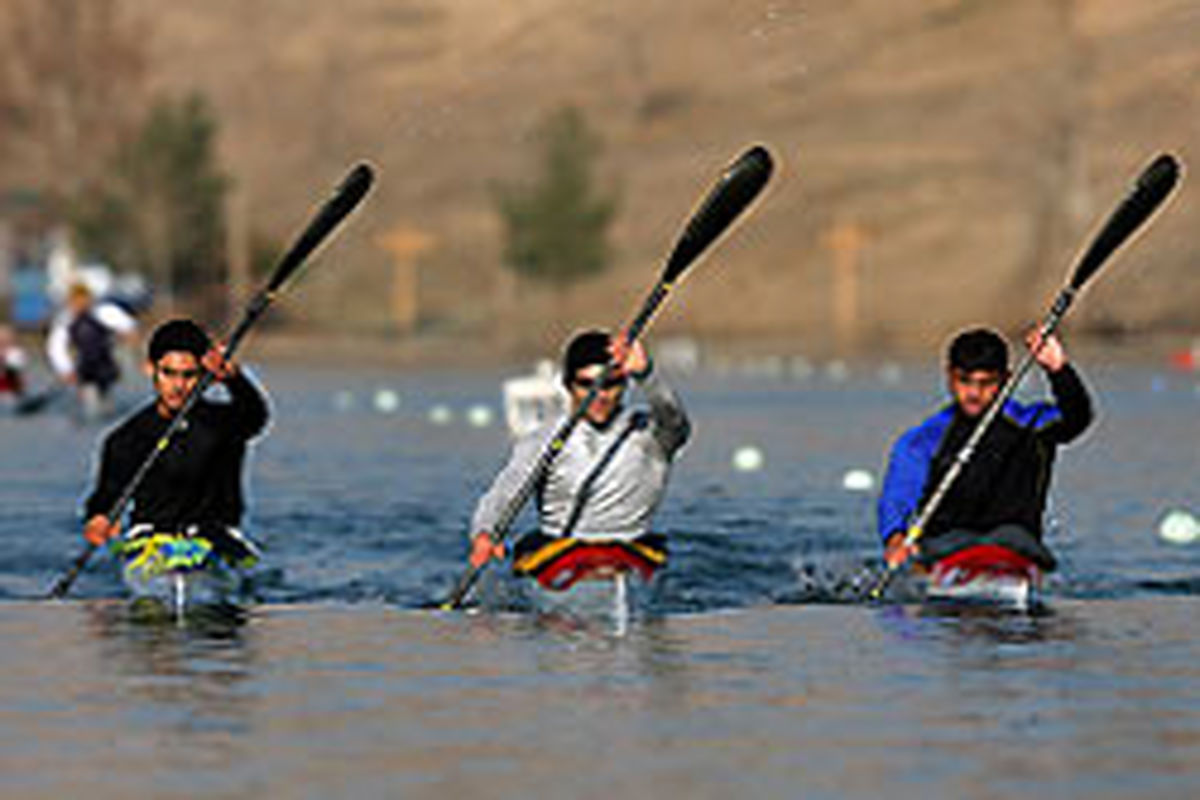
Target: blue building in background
[{"x": 30, "y": 307}]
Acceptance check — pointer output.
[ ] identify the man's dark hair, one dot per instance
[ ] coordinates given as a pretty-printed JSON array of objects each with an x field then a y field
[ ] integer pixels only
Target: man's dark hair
[
  {"x": 178, "y": 335},
  {"x": 584, "y": 349},
  {"x": 979, "y": 349}
]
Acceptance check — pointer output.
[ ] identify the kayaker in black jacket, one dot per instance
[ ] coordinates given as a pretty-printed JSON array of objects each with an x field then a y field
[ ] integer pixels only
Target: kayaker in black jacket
[
  {"x": 196, "y": 482},
  {"x": 1000, "y": 496}
]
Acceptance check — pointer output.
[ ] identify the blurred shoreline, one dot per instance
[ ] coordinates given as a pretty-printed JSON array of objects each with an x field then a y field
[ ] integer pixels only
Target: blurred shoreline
[
  {"x": 1167, "y": 351},
  {"x": 473, "y": 352}
]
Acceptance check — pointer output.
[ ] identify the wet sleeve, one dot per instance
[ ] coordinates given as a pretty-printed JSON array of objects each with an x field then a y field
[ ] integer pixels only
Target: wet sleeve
[
  {"x": 112, "y": 474},
  {"x": 508, "y": 482},
  {"x": 248, "y": 410},
  {"x": 671, "y": 424},
  {"x": 1074, "y": 405},
  {"x": 903, "y": 484}
]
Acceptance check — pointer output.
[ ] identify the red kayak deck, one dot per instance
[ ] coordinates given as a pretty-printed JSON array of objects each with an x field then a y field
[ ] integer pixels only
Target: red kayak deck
[
  {"x": 561, "y": 563},
  {"x": 985, "y": 572}
]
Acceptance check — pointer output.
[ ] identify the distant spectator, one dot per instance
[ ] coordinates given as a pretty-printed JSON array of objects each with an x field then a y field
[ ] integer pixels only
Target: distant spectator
[
  {"x": 12, "y": 364},
  {"x": 81, "y": 347}
]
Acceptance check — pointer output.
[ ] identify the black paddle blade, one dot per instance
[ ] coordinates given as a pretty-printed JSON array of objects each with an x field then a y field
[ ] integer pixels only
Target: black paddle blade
[
  {"x": 345, "y": 199},
  {"x": 1152, "y": 188},
  {"x": 736, "y": 189}
]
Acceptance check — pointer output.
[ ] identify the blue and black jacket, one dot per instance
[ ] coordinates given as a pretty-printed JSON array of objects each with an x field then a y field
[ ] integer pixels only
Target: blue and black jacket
[{"x": 1007, "y": 479}]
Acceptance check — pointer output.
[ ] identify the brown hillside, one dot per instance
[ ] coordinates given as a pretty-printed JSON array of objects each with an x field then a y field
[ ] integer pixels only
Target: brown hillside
[{"x": 952, "y": 154}]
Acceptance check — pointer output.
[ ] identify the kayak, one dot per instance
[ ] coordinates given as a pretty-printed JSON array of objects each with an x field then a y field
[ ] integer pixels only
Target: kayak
[
  {"x": 589, "y": 576},
  {"x": 988, "y": 574},
  {"x": 558, "y": 563},
  {"x": 181, "y": 571}
]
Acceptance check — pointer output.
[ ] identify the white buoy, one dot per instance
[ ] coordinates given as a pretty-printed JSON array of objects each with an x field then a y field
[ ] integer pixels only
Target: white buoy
[
  {"x": 1179, "y": 527},
  {"x": 837, "y": 371},
  {"x": 891, "y": 373},
  {"x": 858, "y": 480},
  {"x": 800, "y": 368},
  {"x": 441, "y": 415},
  {"x": 479, "y": 416},
  {"x": 387, "y": 401},
  {"x": 343, "y": 401},
  {"x": 748, "y": 459}
]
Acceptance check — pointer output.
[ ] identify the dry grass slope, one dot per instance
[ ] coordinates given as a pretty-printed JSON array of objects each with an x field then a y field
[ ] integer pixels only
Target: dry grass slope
[{"x": 951, "y": 154}]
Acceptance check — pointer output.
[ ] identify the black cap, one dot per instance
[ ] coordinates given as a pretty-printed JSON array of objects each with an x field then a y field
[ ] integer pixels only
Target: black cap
[
  {"x": 979, "y": 349},
  {"x": 585, "y": 349},
  {"x": 178, "y": 335}
]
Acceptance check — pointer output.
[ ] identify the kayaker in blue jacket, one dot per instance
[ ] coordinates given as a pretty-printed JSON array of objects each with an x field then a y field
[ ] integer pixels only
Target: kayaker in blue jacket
[{"x": 1000, "y": 496}]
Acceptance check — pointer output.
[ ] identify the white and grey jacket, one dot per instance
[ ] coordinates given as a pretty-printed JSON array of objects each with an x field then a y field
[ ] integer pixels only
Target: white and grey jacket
[{"x": 606, "y": 483}]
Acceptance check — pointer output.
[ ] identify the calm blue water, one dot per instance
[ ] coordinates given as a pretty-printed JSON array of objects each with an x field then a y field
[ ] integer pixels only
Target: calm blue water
[{"x": 756, "y": 673}]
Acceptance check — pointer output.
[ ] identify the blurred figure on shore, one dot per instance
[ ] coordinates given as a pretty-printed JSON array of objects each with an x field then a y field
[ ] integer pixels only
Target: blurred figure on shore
[
  {"x": 12, "y": 366},
  {"x": 81, "y": 347}
]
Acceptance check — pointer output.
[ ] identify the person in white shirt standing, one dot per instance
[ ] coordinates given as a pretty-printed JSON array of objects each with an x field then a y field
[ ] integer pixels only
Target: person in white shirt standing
[{"x": 81, "y": 348}]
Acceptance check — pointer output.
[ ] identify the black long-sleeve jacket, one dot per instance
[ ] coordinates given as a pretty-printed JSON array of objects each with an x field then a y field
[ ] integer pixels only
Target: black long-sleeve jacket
[
  {"x": 1007, "y": 479},
  {"x": 197, "y": 479}
]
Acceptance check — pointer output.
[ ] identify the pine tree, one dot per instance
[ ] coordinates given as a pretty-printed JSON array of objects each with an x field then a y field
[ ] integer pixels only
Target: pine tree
[{"x": 557, "y": 226}]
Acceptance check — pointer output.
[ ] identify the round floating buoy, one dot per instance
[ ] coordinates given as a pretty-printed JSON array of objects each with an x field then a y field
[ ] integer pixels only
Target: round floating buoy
[
  {"x": 748, "y": 459},
  {"x": 387, "y": 401},
  {"x": 858, "y": 480},
  {"x": 837, "y": 371},
  {"x": 800, "y": 368},
  {"x": 1179, "y": 527},
  {"x": 479, "y": 416},
  {"x": 441, "y": 415}
]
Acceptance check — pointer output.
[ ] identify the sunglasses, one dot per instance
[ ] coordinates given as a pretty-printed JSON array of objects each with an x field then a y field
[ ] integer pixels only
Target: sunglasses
[
  {"x": 612, "y": 382},
  {"x": 186, "y": 374}
]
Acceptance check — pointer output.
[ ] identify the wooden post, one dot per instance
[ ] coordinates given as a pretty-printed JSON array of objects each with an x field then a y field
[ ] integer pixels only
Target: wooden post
[
  {"x": 845, "y": 239},
  {"x": 405, "y": 245}
]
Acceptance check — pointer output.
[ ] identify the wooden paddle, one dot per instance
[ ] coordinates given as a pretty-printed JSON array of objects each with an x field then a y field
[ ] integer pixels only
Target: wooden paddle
[
  {"x": 345, "y": 199},
  {"x": 1153, "y": 186},
  {"x": 741, "y": 182}
]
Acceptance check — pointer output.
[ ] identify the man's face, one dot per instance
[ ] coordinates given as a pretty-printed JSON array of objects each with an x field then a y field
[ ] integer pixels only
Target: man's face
[
  {"x": 974, "y": 390},
  {"x": 607, "y": 401},
  {"x": 79, "y": 302},
  {"x": 175, "y": 375}
]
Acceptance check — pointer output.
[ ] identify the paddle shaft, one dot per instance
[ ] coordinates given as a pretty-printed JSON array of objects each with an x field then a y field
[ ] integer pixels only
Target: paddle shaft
[{"x": 550, "y": 453}]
